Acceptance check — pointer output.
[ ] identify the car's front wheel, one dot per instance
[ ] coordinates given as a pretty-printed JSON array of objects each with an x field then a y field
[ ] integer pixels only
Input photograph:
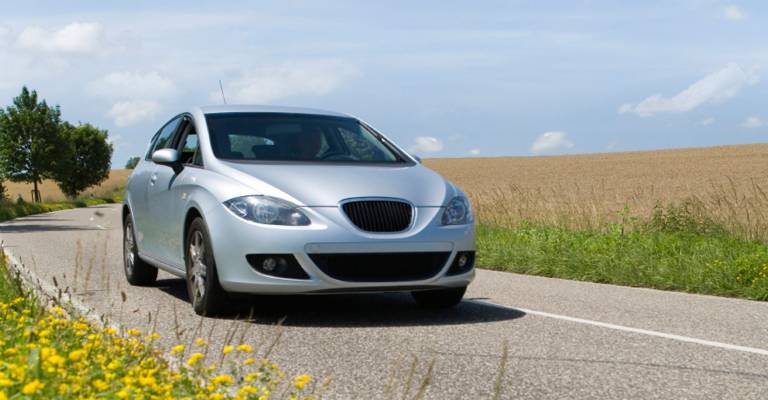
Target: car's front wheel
[
  {"x": 137, "y": 271},
  {"x": 439, "y": 298},
  {"x": 205, "y": 292}
]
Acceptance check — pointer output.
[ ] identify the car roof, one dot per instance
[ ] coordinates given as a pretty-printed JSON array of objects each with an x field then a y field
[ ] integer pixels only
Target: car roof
[{"x": 267, "y": 109}]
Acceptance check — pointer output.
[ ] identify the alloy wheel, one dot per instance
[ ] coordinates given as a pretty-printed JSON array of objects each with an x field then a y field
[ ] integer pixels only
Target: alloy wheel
[{"x": 197, "y": 270}]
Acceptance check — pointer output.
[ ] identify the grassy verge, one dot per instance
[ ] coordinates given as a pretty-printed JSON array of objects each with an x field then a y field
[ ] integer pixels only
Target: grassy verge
[
  {"x": 675, "y": 249},
  {"x": 46, "y": 354},
  {"x": 10, "y": 210}
]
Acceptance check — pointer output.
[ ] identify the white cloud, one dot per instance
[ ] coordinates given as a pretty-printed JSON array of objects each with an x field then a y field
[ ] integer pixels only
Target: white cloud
[
  {"x": 76, "y": 37},
  {"x": 426, "y": 144},
  {"x": 474, "y": 152},
  {"x": 715, "y": 87},
  {"x": 734, "y": 13},
  {"x": 707, "y": 121},
  {"x": 126, "y": 113},
  {"x": 753, "y": 123},
  {"x": 133, "y": 85},
  {"x": 549, "y": 142},
  {"x": 269, "y": 83}
]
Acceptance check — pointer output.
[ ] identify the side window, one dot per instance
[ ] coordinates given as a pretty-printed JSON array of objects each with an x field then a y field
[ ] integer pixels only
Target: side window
[
  {"x": 164, "y": 137},
  {"x": 189, "y": 150}
]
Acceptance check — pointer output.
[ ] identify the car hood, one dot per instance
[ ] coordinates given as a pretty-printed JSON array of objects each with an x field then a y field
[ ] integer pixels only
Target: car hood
[{"x": 327, "y": 185}]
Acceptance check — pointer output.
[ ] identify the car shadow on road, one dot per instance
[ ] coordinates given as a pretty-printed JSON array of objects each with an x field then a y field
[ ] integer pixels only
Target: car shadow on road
[{"x": 357, "y": 310}]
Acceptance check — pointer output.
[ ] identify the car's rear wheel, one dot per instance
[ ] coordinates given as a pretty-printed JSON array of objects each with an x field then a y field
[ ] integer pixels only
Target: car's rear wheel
[
  {"x": 137, "y": 271},
  {"x": 205, "y": 292},
  {"x": 439, "y": 298}
]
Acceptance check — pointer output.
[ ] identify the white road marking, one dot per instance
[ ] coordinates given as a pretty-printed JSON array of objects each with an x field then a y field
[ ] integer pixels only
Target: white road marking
[{"x": 687, "y": 339}]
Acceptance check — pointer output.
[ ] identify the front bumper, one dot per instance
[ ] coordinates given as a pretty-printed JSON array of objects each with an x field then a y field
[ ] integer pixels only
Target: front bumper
[{"x": 233, "y": 238}]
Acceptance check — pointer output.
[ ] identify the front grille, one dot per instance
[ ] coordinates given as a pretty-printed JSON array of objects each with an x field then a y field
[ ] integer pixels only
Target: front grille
[
  {"x": 381, "y": 267},
  {"x": 379, "y": 215}
]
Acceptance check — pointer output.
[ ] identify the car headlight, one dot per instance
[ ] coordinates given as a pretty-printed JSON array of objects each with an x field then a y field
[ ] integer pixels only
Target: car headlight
[
  {"x": 457, "y": 212},
  {"x": 267, "y": 210}
]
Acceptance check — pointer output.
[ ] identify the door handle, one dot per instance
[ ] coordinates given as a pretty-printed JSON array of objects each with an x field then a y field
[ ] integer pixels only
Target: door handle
[{"x": 153, "y": 179}]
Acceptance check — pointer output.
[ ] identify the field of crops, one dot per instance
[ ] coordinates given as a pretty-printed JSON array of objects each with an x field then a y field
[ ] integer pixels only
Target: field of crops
[
  {"x": 51, "y": 193},
  {"x": 730, "y": 183}
]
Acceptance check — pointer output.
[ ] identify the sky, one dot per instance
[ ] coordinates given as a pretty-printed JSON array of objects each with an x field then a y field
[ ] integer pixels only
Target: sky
[{"x": 440, "y": 78}]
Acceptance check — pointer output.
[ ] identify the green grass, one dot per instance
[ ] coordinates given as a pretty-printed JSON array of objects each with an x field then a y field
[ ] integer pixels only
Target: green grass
[
  {"x": 675, "y": 249},
  {"x": 10, "y": 210}
]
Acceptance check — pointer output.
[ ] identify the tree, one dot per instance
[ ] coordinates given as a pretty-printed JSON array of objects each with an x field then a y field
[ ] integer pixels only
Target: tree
[
  {"x": 132, "y": 162},
  {"x": 85, "y": 159},
  {"x": 30, "y": 140}
]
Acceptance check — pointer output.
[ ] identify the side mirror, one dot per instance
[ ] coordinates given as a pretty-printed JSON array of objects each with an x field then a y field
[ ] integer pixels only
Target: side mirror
[{"x": 169, "y": 158}]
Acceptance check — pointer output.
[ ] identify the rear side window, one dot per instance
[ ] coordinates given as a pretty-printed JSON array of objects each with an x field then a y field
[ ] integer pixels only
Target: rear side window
[{"x": 163, "y": 137}]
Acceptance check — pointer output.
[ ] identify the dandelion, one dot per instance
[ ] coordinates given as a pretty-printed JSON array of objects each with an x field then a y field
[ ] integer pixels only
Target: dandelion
[
  {"x": 200, "y": 342},
  {"x": 32, "y": 387},
  {"x": 194, "y": 358},
  {"x": 133, "y": 332},
  {"x": 245, "y": 348},
  {"x": 227, "y": 349},
  {"x": 222, "y": 379},
  {"x": 301, "y": 381},
  {"x": 76, "y": 355},
  {"x": 177, "y": 349}
]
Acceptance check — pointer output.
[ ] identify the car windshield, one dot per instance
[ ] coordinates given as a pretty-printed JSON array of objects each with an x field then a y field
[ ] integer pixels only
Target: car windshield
[{"x": 297, "y": 137}]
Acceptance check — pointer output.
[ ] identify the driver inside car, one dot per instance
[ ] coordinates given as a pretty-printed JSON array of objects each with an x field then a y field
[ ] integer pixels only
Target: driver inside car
[{"x": 308, "y": 143}]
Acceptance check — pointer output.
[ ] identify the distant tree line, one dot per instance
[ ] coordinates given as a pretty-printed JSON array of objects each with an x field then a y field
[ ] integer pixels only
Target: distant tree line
[{"x": 36, "y": 144}]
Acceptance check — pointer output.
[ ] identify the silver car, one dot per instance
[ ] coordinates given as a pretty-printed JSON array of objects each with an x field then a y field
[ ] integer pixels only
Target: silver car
[{"x": 276, "y": 200}]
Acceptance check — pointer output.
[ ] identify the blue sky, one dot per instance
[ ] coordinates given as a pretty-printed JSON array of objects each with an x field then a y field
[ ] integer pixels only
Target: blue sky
[{"x": 442, "y": 78}]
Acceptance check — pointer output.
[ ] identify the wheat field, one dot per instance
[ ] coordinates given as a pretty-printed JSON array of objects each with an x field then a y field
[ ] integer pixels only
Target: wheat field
[
  {"x": 50, "y": 192},
  {"x": 729, "y": 183}
]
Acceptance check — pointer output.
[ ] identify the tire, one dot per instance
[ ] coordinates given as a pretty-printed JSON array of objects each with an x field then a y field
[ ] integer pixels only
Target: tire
[
  {"x": 205, "y": 292},
  {"x": 439, "y": 298},
  {"x": 137, "y": 271}
]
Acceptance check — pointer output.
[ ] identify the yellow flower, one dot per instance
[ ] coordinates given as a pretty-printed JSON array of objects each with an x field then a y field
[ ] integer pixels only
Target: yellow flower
[
  {"x": 32, "y": 387},
  {"x": 249, "y": 361},
  {"x": 301, "y": 381},
  {"x": 133, "y": 332},
  {"x": 227, "y": 349},
  {"x": 76, "y": 355},
  {"x": 110, "y": 331},
  {"x": 3, "y": 396},
  {"x": 100, "y": 385},
  {"x": 177, "y": 349},
  {"x": 246, "y": 390},
  {"x": 147, "y": 381},
  {"x": 223, "y": 378},
  {"x": 245, "y": 348},
  {"x": 63, "y": 388},
  {"x": 153, "y": 336},
  {"x": 122, "y": 394},
  {"x": 200, "y": 342},
  {"x": 216, "y": 396},
  {"x": 194, "y": 358},
  {"x": 56, "y": 360}
]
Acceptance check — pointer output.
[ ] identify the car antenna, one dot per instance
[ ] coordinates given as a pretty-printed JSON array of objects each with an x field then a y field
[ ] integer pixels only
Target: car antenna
[{"x": 222, "y": 92}]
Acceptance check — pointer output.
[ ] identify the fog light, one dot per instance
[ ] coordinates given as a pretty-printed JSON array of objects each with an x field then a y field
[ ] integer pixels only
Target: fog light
[
  {"x": 269, "y": 264},
  {"x": 280, "y": 265},
  {"x": 462, "y": 263},
  {"x": 462, "y": 260}
]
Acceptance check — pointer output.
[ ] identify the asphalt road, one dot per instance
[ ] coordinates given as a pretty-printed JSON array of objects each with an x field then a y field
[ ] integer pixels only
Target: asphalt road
[{"x": 565, "y": 339}]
